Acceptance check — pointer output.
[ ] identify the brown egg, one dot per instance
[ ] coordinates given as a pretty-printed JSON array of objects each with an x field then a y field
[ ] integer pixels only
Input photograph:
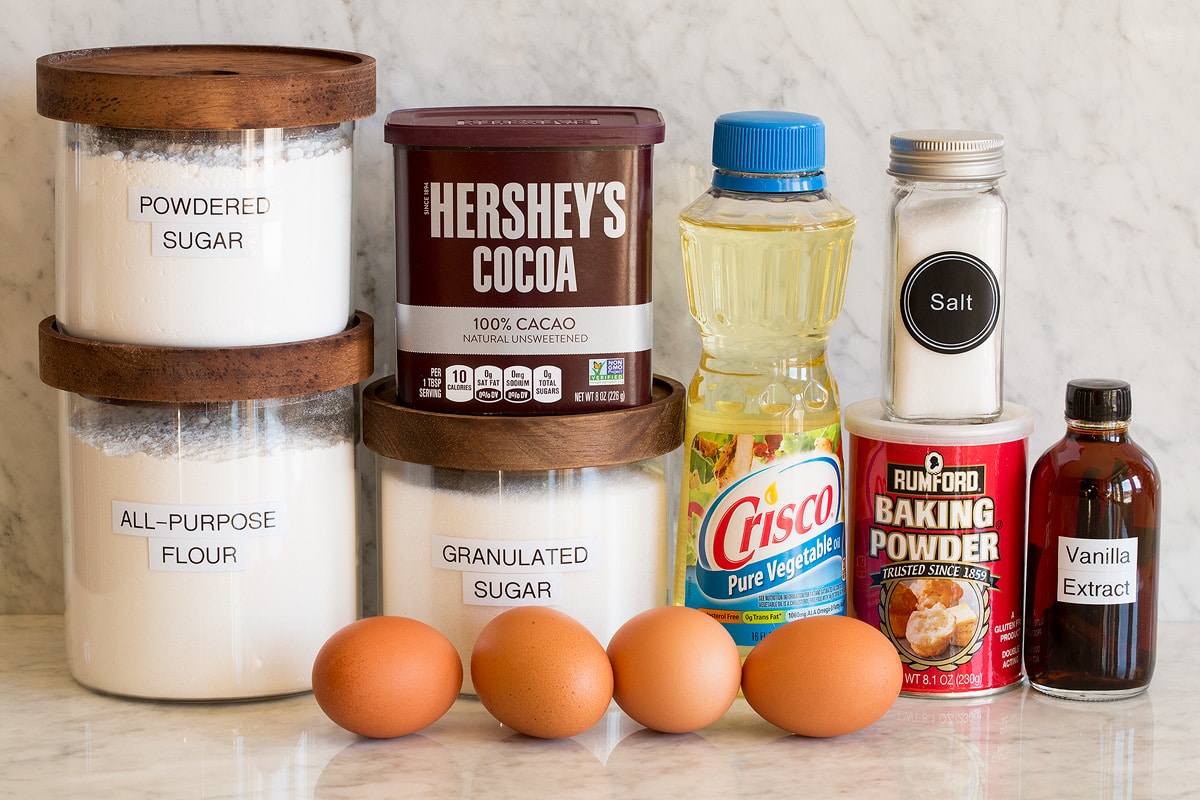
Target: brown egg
[
  {"x": 675, "y": 669},
  {"x": 822, "y": 676},
  {"x": 541, "y": 672},
  {"x": 386, "y": 676}
]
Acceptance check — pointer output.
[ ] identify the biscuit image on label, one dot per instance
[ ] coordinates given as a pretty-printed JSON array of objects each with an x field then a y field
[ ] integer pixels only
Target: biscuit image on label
[
  {"x": 900, "y": 607},
  {"x": 930, "y": 631},
  {"x": 937, "y": 591}
]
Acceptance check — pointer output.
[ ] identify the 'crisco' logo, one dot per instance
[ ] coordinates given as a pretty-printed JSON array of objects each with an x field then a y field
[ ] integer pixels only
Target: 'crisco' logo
[{"x": 770, "y": 512}]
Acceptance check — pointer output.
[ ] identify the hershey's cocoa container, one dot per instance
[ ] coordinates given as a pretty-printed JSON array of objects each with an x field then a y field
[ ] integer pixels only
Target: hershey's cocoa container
[
  {"x": 523, "y": 257},
  {"x": 937, "y": 531}
]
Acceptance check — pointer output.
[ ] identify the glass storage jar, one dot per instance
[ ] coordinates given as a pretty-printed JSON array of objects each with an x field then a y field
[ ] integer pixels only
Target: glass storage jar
[
  {"x": 481, "y": 514},
  {"x": 204, "y": 191},
  {"x": 209, "y": 510}
]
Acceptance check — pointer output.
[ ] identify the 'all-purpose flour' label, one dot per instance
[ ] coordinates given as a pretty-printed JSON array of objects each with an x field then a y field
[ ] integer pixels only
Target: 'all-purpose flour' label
[
  {"x": 768, "y": 537},
  {"x": 198, "y": 538},
  {"x": 523, "y": 258},
  {"x": 938, "y": 529}
]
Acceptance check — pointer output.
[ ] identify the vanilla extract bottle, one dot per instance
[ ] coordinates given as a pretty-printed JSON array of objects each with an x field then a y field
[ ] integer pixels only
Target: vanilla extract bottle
[{"x": 1092, "y": 561}]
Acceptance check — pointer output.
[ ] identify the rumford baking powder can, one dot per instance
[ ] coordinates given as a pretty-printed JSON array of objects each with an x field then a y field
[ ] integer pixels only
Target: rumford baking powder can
[{"x": 937, "y": 527}]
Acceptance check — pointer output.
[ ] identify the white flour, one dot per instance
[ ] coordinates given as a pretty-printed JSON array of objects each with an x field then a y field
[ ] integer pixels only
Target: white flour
[
  {"x": 204, "y": 239},
  {"x": 608, "y": 523},
  {"x": 248, "y": 627}
]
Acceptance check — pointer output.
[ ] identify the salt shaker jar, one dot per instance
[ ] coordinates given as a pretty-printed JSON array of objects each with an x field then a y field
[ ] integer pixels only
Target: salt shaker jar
[
  {"x": 479, "y": 514},
  {"x": 943, "y": 298},
  {"x": 204, "y": 191},
  {"x": 209, "y": 510}
]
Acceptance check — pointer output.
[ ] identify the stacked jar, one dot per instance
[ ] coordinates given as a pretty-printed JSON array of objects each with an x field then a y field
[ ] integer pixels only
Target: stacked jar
[
  {"x": 522, "y": 445},
  {"x": 208, "y": 355},
  {"x": 938, "y": 463}
]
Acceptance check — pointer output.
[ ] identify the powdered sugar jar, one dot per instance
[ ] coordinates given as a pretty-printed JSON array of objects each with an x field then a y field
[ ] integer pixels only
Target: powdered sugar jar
[
  {"x": 943, "y": 293},
  {"x": 479, "y": 514},
  {"x": 204, "y": 191},
  {"x": 209, "y": 510}
]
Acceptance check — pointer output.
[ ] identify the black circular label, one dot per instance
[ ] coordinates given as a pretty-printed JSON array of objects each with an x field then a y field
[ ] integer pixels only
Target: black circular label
[{"x": 950, "y": 302}]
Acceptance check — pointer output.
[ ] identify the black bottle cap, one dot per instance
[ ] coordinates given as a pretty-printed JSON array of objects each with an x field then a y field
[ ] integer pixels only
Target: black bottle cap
[{"x": 1098, "y": 400}]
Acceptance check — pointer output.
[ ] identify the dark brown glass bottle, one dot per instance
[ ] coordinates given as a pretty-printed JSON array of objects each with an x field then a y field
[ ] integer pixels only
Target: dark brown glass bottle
[{"x": 1091, "y": 583}]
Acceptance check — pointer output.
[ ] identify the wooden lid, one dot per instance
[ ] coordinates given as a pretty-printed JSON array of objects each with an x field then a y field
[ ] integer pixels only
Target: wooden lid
[
  {"x": 206, "y": 374},
  {"x": 494, "y": 442},
  {"x": 205, "y": 87}
]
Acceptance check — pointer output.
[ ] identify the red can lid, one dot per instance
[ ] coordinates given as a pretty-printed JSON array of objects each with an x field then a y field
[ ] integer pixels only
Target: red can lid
[{"x": 525, "y": 127}]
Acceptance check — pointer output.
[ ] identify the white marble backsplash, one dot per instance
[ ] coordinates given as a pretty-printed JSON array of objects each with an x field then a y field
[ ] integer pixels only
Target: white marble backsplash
[{"x": 1097, "y": 101}]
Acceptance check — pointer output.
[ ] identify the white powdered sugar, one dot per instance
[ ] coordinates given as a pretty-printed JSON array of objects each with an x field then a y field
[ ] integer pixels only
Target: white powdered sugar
[{"x": 204, "y": 238}]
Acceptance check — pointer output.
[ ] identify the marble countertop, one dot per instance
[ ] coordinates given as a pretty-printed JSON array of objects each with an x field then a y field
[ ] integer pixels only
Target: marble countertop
[{"x": 60, "y": 740}]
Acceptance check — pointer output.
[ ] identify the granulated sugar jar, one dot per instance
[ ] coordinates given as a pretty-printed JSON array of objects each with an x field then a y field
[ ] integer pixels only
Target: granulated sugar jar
[
  {"x": 204, "y": 191},
  {"x": 209, "y": 522},
  {"x": 479, "y": 514}
]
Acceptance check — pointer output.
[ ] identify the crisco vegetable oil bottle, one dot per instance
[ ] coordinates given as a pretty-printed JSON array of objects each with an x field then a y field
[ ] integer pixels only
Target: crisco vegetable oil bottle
[{"x": 765, "y": 252}]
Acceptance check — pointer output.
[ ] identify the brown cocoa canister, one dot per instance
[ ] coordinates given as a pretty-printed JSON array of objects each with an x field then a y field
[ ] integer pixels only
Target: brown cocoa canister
[{"x": 523, "y": 257}]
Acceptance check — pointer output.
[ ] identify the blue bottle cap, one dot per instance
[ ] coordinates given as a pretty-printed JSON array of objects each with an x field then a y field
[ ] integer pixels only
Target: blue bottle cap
[{"x": 769, "y": 151}]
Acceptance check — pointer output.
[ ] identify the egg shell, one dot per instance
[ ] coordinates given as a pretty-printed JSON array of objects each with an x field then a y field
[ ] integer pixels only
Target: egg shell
[
  {"x": 541, "y": 672},
  {"x": 822, "y": 676},
  {"x": 675, "y": 669},
  {"x": 386, "y": 676}
]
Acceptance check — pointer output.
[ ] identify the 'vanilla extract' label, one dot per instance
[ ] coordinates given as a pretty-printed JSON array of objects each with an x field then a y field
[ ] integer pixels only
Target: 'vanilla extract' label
[{"x": 1097, "y": 572}]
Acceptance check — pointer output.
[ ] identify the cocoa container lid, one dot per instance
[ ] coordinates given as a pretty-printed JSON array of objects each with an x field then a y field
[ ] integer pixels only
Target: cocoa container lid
[
  {"x": 497, "y": 442},
  {"x": 525, "y": 127},
  {"x": 205, "y": 87}
]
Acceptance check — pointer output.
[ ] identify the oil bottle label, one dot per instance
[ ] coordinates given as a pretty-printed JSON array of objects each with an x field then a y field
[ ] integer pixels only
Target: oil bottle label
[{"x": 766, "y": 543}]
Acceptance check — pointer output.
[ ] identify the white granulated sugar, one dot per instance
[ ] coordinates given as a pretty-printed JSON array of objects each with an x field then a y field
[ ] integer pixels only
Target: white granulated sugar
[
  {"x": 238, "y": 631},
  {"x": 273, "y": 266},
  {"x": 619, "y": 512}
]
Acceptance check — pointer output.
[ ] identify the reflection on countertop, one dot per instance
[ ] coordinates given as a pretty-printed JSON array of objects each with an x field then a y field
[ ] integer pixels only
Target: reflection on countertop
[{"x": 60, "y": 740}]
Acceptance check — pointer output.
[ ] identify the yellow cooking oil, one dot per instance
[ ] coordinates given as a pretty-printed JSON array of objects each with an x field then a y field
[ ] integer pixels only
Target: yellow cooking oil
[{"x": 760, "y": 539}]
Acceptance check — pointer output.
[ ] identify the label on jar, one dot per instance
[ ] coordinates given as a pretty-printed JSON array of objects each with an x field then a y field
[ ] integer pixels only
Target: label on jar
[
  {"x": 513, "y": 573},
  {"x": 938, "y": 537},
  {"x": 950, "y": 302},
  {"x": 764, "y": 543},
  {"x": 523, "y": 280},
  {"x": 1097, "y": 572},
  {"x": 185, "y": 538},
  {"x": 202, "y": 223}
]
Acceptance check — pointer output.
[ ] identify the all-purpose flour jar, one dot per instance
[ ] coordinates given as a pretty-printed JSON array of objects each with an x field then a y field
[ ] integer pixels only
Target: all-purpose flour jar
[
  {"x": 481, "y": 514},
  {"x": 204, "y": 191},
  {"x": 209, "y": 512}
]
